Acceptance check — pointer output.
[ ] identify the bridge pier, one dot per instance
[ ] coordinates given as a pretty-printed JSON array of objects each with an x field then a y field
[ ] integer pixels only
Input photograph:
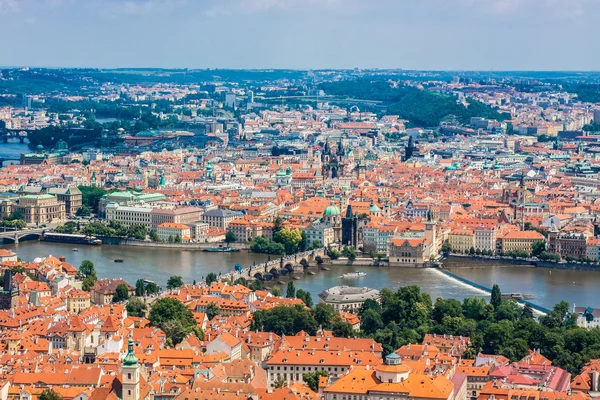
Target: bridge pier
[
  {"x": 22, "y": 139},
  {"x": 16, "y": 238}
]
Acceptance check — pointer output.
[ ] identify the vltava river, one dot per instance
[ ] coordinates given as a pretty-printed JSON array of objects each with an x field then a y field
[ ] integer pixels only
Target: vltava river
[{"x": 547, "y": 286}]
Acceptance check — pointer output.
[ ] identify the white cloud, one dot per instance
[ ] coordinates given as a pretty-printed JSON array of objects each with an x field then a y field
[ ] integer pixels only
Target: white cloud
[{"x": 7, "y": 6}]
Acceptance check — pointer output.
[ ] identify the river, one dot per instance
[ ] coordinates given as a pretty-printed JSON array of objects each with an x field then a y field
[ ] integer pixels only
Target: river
[
  {"x": 12, "y": 150},
  {"x": 547, "y": 286}
]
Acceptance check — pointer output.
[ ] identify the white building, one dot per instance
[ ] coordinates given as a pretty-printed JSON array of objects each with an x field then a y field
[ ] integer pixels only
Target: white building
[
  {"x": 225, "y": 343},
  {"x": 346, "y": 298},
  {"x": 128, "y": 215},
  {"x": 587, "y": 317}
]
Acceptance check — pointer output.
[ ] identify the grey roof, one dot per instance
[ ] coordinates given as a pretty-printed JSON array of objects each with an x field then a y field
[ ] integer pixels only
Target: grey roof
[
  {"x": 222, "y": 213},
  {"x": 347, "y": 294}
]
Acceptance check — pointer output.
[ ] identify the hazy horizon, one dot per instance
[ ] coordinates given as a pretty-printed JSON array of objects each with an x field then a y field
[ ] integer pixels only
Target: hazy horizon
[{"x": 425, "y": 35}]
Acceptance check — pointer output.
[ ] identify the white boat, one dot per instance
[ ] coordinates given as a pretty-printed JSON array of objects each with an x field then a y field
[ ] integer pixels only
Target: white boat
[
  {"x": 356, "y": 274},
  {"x": 75, "y": 249}
]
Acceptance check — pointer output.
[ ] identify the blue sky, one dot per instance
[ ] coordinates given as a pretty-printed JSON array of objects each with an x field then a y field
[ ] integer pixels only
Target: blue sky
[{"x": 410, "y": 34}]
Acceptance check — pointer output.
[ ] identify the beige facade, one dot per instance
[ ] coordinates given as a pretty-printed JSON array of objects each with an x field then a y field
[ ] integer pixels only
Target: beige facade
[
  {"x": 461, "y": 240},
  {"x": 321, "y": 232},
  {"x": 408, "y": 252},
  {"x": 184, "y": 215},
  {"x": 485, "y": 239},
  {"x": 37, "y": 209},
  {"x": 520, "y": 241},
  {"x": 78, "y": 300},
  {"x": 169, "y": 230}
]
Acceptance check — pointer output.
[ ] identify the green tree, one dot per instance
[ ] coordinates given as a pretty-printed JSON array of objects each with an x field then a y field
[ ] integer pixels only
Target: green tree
[
  {"x": 173, "y": 318},
  {"x": 49, "y": 394},
  {"x": 174, "y": 282},
  {"x": 91, "y": 196},
  {"x": 151, "y": 288},
  {"x": 342, "y": 329},
  {"x": 538, "y": 248},
  {"x": 257, "y": 285},
  {"x": 349, "y": 252},
  {"x": 210, "y": 278},
  {"x": 136, "y": 307},
  {"x": 527, "y": 312},
  {"x": 177, "y": 238},
  {"x": 230, "y": 237},
  {"x": 509, "y": 310},
  {"x": 212, "y": 310},
  {"x": 442, "y": 308},
  {"x": 305, "y": 297},
  {"x": 371, "y": 321},
  {"x": 324, "y": 314},
  {"x": 284, "y": 320},
  {"x": 276, "y": 292},
  {"x": 289, "y": 238},
  {"x": 316, "y": 244},
  {"x": 279, "y": 382},
  {"x": 88, "y": 282},
  {"x": 154, "y": 236},
  {"x": 240, "y": 281},
  {"x": 84, "y": 211},
  {"x": 87, "y": 268},
  {"x": 312, "y": 379},
  {"x": 140, "y": 287},
  {"x": 496, "y": 298},
  {"x": 291, "y": 290},
  {"x": 446, "y": 248},
  {"x": 121, "y": 293}
]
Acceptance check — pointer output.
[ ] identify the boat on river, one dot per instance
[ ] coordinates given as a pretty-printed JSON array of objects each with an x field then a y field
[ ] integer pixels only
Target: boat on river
[
  {"x": 118, "y": 260},
  {"x": 220, "y": 250},
  {"x": 356, "y": 274}
]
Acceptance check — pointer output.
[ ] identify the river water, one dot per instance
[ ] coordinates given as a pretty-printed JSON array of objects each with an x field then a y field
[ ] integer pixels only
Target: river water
[
  {"x": 546, "y": 285},
  {"x": 12, "y": 150}
]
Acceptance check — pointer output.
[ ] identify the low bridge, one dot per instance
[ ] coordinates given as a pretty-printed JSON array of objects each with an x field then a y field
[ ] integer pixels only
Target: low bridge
[
  {"x": 15, "y": 236},
  {"x": 295, "y": 263}
]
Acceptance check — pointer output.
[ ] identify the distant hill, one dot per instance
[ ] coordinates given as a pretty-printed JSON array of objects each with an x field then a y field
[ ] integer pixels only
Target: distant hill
[{"x": 421, "y": 107}]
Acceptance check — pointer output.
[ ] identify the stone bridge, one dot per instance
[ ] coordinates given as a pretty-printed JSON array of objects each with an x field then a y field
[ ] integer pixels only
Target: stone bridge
[
  {"x": 15, "y": 236},
  {"x": 295, "y": 263}
]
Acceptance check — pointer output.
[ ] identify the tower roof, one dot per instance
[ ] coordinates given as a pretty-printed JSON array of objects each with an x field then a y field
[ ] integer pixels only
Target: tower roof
[
  {"x": 130, "y": 359},
  {"x": 332, "y": 209}
]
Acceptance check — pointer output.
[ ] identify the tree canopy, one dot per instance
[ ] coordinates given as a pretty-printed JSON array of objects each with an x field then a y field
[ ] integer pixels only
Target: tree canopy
[{"x": 174, "y": 319}]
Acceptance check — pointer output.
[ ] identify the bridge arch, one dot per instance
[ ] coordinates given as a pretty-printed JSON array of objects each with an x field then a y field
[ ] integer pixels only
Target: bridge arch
[
  {"x": 258, "y": 276},
  {"x": 289, "y": 267}
]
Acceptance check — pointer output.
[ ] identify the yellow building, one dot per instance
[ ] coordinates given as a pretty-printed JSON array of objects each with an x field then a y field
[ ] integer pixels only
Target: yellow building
[
  {"x": 78, "y": 300},
  {"x": 37, "y": 209},
  {"x": 520, "y": 240},
  {"x": 461, "y": 240}
]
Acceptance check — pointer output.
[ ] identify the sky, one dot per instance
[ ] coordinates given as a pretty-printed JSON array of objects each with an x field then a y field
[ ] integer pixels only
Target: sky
[{"x": 302, "y": 34}]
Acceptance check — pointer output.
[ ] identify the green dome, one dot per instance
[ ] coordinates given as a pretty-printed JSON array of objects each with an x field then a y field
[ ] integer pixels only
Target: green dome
[
  {"x": 374, "y": 208},
  {"x": 280, "y": 174},
  {"x": 130, "y": 359},
  {"x": 332, "y": 210}
]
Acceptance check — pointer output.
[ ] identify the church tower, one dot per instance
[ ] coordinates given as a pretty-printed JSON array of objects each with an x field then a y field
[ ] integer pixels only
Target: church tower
[{"x": 131, "y": 375}]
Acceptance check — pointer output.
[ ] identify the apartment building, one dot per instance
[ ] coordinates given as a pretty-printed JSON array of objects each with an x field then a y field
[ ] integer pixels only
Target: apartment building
[
  {"x": 128, "y": 215},
  {"x": 520, "y": 241}
]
